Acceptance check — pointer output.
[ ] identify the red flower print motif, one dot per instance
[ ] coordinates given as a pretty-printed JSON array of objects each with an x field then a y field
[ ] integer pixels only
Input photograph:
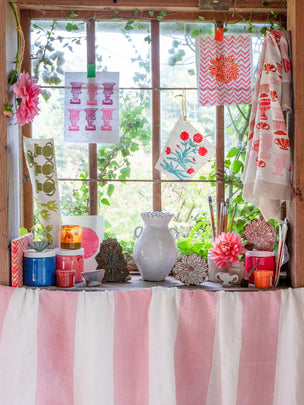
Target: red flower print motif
[
  {"x": 202, "y": 151},
  {"x": 177, "y": 146},
  {"x": 168, "y": 151},
  {"x": 282, "y": 143},
  {"x": 286, "y": 65},
  {"x": 190, "y": 171},
  {"x": 194, "y": 160},
  {"x": 268, "y": 67},
  {"x": 261, "y": 163},
  {"x": 184, "y": 136},
  {"x": 273, "y": 95},
  {"x": 197, "y": 138},
  {"x": 263, "y": 125},
  {"x": 225, "y": 69}
]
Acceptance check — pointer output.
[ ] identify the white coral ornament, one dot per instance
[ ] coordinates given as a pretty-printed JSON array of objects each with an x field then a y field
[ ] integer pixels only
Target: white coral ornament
[{"x": 191, "y": 269}]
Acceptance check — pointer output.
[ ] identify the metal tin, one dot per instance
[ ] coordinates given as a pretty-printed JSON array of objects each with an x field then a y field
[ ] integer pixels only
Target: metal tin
[{"x": 39, "y": 268}]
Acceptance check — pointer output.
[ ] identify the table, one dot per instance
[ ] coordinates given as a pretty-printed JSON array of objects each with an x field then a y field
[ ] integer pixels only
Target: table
[{"x": 156, "y": 346}]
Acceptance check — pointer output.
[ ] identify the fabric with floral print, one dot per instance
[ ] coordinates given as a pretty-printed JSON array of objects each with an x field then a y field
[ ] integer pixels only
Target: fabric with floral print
[
  {"x": 185, "y": 152},
  {"x": 224, "y": 69},
  {"x": 267, "y": 172}
]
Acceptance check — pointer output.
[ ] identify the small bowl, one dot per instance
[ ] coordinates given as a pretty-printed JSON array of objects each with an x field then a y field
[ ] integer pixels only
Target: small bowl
[
  {"x": 39, "y": 245},
  {"x": 93, "y": 278}
]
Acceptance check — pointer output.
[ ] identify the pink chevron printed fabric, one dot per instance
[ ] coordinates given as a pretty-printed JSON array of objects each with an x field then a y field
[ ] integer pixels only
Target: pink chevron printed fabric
[
  {"x": 154, "y": 346},
  {"x": 224, "y": 70}
]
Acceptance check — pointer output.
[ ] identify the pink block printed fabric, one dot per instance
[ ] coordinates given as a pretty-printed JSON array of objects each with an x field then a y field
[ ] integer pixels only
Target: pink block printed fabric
[
  {"x": 267, "y": 173},
  {"x": 224, "y": 70}
]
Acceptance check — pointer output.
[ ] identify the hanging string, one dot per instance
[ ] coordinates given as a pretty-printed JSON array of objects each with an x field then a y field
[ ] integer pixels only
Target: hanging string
[
  {"x": 184, "y": 103},
  {"x": 21, "y": 42}
]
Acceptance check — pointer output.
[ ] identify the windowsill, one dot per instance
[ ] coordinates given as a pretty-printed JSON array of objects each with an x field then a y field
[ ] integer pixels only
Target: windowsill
[{"x": 137, "y": 283}]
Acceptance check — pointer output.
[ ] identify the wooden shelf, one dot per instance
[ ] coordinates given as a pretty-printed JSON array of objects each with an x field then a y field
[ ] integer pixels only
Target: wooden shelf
[{"x": 137, "y": 283}]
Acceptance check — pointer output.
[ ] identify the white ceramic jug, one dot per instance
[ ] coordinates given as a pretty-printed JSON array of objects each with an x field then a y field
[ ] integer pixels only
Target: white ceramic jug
[{"x": 155, "y": 250}]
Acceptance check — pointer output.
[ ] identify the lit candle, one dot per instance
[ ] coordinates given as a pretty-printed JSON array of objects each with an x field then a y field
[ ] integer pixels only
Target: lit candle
[{"x": 71, "y": 236}]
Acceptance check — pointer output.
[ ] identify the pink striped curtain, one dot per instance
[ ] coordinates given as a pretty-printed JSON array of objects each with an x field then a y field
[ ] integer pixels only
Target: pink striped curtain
[{"x": 151, "y": 347}]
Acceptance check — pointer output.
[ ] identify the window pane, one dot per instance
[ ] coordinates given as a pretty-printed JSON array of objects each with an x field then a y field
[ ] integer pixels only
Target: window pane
[
  {"x": 188, "y": 202},
  {"x": 70, "y": 157},
  {"x": 124, "y": 50},
  {"x": 127, "y": 203},
  {"x": 58, "y": 47}
]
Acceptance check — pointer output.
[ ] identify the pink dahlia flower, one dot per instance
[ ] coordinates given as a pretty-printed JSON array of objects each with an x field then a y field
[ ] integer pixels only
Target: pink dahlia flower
[
  {"x": 27, "y": 91},
  {"x": 227, "y": 248}
]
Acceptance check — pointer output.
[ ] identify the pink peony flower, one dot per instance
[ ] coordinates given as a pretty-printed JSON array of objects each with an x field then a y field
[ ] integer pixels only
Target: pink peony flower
[
  {"x": 26, "y": 90},
  {"x": 227, "y": 248}
]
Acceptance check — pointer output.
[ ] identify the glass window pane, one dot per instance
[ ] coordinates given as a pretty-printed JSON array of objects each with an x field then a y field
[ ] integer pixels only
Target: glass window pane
[
  {"x": 57, "y": 47},
  {"x": 124, "y": 50}
]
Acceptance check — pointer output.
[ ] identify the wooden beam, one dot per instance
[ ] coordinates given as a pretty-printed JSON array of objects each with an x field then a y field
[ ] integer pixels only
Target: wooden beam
[
  {"x": 27, "y": 190},
  {"x": 233, "y": 16},
  {"x": 156, "y": 118},
  {"x": 4, "y": 251},
  {"x": 295, "y": 212},
  {"x": 93, "y": 185},
  {"x": 173, "y": 5}
]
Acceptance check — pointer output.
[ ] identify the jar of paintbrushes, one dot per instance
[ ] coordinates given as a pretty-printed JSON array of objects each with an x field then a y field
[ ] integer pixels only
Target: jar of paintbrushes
[{"x": 227, "y": 246}]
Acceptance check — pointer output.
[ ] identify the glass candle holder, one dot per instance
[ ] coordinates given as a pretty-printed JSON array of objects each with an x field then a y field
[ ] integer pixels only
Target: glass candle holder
[
  {"x": 263, "y": 278},
  {"x": 71, "y": 236}
]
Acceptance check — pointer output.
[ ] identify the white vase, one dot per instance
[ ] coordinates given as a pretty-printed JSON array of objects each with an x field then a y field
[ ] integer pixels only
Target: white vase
[
  {"x": 213, "y": 269},
  {"x": 155, "y": 250}
]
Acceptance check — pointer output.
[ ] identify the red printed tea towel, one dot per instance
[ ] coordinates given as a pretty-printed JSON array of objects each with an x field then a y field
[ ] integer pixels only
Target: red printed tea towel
[
  {"x": 18, "y": 246},
  {"x": 185, "y": 152},
  {"x": 267, "y": 172},
  {"x": 224, "y": 70}
]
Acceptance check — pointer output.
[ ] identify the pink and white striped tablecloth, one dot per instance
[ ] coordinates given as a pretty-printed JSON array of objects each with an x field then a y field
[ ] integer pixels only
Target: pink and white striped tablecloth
[{"x": 151, "y": 347}]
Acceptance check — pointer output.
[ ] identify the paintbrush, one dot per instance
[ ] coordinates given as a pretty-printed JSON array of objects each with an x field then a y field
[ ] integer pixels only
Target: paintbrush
[
  {"x": 211, "y": 216},
  {"x": 226, "y": 216},
  {"x": 233, "y": 215},
  {"x": 245, "y": 280}
]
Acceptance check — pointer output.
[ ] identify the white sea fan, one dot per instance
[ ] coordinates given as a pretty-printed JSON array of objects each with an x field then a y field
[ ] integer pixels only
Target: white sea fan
[{"x": 191, "y": 269}]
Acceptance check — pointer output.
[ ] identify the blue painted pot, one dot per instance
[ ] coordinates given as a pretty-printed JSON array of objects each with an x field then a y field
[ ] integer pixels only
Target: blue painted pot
[{"x": 39, "y": 268}]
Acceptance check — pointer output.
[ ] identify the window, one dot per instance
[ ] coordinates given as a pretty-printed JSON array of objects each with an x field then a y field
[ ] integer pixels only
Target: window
[{"x": 127, "y": 182}]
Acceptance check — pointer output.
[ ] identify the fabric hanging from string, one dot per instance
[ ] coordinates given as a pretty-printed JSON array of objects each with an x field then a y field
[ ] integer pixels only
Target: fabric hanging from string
[
  {"x": 267, "y": 172},
  {"x": 224, "y": 70}
]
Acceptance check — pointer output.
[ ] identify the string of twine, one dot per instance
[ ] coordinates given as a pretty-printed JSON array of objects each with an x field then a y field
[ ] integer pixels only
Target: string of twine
[
  {"x": 20, "y": 54},
  {"x": 184, "y": 103}
]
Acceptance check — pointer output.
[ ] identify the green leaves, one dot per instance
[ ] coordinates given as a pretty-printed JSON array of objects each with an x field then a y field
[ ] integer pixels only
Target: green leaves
[
  {"x": 110, "y": 189},
  {"x": 232, "y": 152},
  {"x": 71, "y": 27},
  {"x": 237, "y": 166}
]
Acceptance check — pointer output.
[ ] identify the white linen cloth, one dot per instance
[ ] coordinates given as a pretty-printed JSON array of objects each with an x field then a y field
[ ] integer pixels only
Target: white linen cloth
[
  {"x": 267, "y": 172},
  {"x": 151, "y": 347}
]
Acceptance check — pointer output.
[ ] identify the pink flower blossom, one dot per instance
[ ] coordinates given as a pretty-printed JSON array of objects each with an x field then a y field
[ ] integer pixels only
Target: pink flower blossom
[
  {"x": 26, "y": 90},
  {"x": 227, "y": 248}
]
